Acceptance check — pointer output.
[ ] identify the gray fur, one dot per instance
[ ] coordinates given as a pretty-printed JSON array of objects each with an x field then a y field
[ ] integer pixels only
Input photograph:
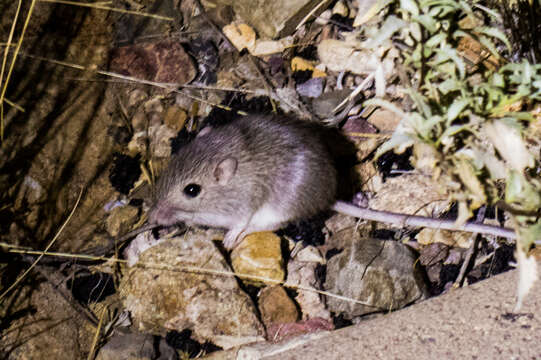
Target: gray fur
[{"x": 282, "y": 165}]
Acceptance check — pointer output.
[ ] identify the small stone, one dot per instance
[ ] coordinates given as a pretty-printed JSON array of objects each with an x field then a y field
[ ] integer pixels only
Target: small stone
[
  {"x": 135, "y": 97},
  {"x": 276, "y": 307},
  {"x": 338, "y": 222},
  {"x": 175, "y": 118},
  {"x": 279, "y": 332},
  {"x": 434, "y": 253},
  {"x": 311, "y": 88},
  {"x": 324, "y": 105},
  {"x": 303, "y": 274},
  {"x": 384, "y": 120},
  {"x": 324, "y": 17},
  {"x": 121, "y": 220},
  {"x": 412, "y": 194},
  {"x": 259, "y": 254},
  {"x": 451, "y": 238},
  {"x": 242, "y": 36},
  {"x": 310, "y": 254},
  {"x": 381, "y": 274},
  {"x": 153, "y": 104},
  {"x": 163, "y": 62},
  {"x": 340, "y": 9},
  {"x": 272, "y": 19},
  {"x": 269, "y": 47},
  {"x": 135, "y": 346}
]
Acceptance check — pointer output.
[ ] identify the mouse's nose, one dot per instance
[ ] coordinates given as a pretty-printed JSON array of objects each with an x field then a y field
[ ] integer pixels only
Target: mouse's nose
[{"x": 162, "y": 214}]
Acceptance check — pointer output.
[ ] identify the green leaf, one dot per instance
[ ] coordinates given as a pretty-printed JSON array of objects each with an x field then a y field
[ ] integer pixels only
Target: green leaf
[
  {"x": 428, "y": 22},
  {"x": 410, "y": 6},
  {"x": 436, "y": 40},
  {"x": 495, "y": 33},
  {"x": 391, "y": 25},
  {"x": 449, "y": 85},
  {"x": 497, "y": 80},
  {"x": 399, "y": 142},
  {"x": 518, "y": 191},
  {"x": 456, "y": 108},
  {"x": 487, "y": 42},
  {"x": 530, "y": 235},
  {"x": 420, "y": 102}
]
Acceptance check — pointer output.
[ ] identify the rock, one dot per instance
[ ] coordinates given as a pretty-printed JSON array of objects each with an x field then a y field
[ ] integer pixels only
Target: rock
[
  {"x": 269, "y": 47},
  {"x": 276, "y": 307},
  {"x": 433, "y": 254},
  {"x": 121, "y": 220},
  {"x": 279, "y": 332},
  {"x": 451, "y": 238},
  {"x": 175, "y": 118},
  {"x": 312, "y": 87},
  {"x": 303, "y": 274},
  {"x": 160, "y": 141},
  {"x": 324, "y": 105},
  {"x": 383, "y": 119},
  {"x": 134, "y": 346},
  {"x": 340, "y": 9},
  {"x": 338, "y": 222},
  {"x": 163, "y": 62},
  {"x": 259, "y": 254},
  {"x": 300, "y": 64},
  {"x": 351, "y": 55},
  {"x": 273, "y": 19},
  {"x": 380, "y": 274},
  {"x": 412, "y": 194},
  {"x": 165, "y": 293}
]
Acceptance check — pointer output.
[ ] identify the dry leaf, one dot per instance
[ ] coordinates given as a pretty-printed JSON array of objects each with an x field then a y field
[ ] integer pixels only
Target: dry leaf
[
  {"x": 509, "y": 145},
  {"x": 242, "y": 36}
]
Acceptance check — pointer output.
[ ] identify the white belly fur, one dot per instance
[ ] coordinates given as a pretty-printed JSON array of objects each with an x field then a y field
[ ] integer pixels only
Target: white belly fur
[{"x": 267, "y": 219}]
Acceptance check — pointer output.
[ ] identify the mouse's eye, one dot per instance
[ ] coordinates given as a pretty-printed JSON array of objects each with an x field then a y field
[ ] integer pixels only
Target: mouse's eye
[{"x": 192, "y": 190}]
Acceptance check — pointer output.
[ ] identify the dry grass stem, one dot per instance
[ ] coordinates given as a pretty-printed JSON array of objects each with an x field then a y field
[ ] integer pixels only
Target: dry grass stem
[
  {"x": 12, "y": 104},
  {"x": 190, "y": 269},
  {"x": 45, "y": 251},
  {"x": 108, "y": 8},
  {"x": 12, "y": 65},
  {"x": 92, "y": 352}
]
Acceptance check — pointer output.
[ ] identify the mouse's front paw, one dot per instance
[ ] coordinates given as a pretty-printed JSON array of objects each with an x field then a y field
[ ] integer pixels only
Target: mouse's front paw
[{"x": 232, "y": 238}]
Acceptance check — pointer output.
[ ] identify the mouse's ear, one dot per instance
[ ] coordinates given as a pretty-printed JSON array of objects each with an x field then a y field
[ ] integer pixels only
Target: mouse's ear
[{"x": 225, "y": 170}]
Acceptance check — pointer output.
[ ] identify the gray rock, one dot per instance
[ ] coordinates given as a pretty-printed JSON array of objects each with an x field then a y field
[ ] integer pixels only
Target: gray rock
[
  {"x": 136, "y": 346},
  {"x": 311, "y": 88},
  {"x": 383, "y": 275},
  {"x": 324, "y": 105},
  {"x": 273, "y": 19}
]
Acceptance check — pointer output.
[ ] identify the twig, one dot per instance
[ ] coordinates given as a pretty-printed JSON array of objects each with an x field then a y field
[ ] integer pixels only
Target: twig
[{"x": 471, "y": 251}]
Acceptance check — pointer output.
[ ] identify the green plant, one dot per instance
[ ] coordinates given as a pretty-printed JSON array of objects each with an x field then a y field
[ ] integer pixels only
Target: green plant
[{"x": 486, "y": 152}]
